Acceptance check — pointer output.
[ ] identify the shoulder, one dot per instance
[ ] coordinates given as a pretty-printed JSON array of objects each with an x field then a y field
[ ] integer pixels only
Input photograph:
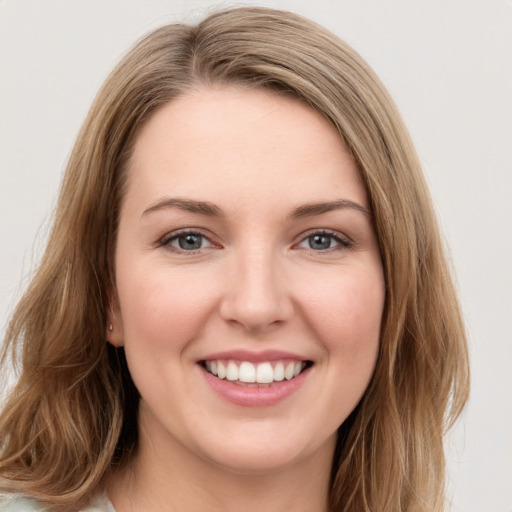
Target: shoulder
[
  {"x": 24, "y": 504},
  {"x": 100, "y": 504},
  {"x": 19, "y": 504}
]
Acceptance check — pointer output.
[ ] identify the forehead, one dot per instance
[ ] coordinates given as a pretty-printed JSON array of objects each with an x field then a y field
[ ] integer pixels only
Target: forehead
[{"x": 243, "y": 143}]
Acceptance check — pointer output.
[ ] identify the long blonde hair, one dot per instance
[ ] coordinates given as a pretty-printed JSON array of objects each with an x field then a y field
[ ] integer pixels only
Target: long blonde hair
[{"x": 71, "y": 419}]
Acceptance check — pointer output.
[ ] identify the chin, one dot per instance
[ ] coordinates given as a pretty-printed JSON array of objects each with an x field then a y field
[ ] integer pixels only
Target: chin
[
  {"x": 254, "y": 455},
  {"x": 256, "y": 461}
]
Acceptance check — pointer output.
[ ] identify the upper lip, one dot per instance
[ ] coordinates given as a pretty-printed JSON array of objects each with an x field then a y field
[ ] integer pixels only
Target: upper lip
[{"x": 253, "y": 357}]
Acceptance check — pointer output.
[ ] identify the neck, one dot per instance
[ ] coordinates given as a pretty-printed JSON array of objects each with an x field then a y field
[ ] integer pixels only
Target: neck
[{"x": 169, "y": 477}]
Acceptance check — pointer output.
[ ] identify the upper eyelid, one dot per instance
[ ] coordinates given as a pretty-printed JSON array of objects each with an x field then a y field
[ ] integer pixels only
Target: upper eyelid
[
  {"x": 324, "y": 231},
  {"x": 186, "y": 231}
]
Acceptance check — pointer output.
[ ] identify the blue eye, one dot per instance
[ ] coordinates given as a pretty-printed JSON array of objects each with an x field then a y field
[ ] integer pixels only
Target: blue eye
[
  {"x": 320, "y": 242},
  {"x": 323, "y": 242},
  {"x": 190, "y": 242},
  {"x": 187, "y": 242}
]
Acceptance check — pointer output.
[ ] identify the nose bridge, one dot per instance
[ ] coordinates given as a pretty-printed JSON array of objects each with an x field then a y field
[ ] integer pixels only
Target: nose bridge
[{"x": 257, "y": 296}]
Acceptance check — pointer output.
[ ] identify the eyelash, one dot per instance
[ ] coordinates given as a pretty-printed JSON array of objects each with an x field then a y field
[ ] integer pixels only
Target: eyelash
[
  {"x": 343, "y": 241},
  {"x": 167, "y": 239}
]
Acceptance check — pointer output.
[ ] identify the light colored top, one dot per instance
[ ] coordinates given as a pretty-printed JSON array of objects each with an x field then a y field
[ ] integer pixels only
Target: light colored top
[{"x": 22, "y": 504}]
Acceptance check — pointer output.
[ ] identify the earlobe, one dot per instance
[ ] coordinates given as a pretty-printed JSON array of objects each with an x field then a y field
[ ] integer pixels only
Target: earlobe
[
  {"x": 114, "y": 331},
  {"x": 114, "y": 338}
]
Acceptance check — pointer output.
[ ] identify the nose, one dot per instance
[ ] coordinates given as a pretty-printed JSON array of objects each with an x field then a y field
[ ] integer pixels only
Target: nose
[{"x": 257, "y": 297}]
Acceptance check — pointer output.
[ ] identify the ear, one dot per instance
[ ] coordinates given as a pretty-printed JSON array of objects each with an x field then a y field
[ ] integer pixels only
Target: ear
[{"x": 114, "y": 331}]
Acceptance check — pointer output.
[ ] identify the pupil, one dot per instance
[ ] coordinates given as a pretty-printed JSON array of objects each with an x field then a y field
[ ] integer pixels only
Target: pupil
[
  {"x": 189, "y": 242},
  {"x": 320, "y": 242}
]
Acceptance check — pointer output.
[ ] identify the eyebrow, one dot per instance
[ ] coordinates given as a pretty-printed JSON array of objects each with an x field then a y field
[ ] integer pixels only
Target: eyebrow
[
  {"x": 311, "y": 209},
  {"x": 187, "y": 205},
  {"x": 212, "y": 210}
]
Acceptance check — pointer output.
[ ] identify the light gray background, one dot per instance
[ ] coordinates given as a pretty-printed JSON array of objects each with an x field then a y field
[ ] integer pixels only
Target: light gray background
[{"x": 448, "y": 66}]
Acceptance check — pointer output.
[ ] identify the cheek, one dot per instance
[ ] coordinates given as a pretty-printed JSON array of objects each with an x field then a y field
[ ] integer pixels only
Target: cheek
[
  {"x": 346, "y": 313},
  {"x": 162, "y": 307}
]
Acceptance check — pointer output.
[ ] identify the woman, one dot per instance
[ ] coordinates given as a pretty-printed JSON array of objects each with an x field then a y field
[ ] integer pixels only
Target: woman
[{"x": 244, "y": 220}]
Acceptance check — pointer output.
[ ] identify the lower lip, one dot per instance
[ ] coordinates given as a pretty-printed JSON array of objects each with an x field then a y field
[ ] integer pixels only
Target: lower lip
[{"x": 255, "y": 396}]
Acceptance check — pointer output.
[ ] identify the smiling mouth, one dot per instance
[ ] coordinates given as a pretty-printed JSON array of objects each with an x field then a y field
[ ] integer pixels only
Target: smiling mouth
[{"x": 264, "y": 374}]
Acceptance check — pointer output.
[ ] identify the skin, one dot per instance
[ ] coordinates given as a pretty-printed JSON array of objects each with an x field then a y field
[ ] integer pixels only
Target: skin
[{"x": 256, "y": 283}]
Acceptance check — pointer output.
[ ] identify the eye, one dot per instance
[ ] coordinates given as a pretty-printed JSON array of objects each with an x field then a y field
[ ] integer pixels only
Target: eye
[
  {"x": 186, "y": 241},
  {"x": 323, "y": 241}
]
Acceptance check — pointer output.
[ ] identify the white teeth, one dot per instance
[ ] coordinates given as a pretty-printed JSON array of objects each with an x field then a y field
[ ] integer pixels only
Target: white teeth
[
  {"x": 221, "y": 370},
  {"x": 232, "y": 371},
  {"x": 247, "y": 372},
  {"x": 264, "y": 373},
  {"x": 288, "y": 371},
  {"x": 279, "y": 372}
]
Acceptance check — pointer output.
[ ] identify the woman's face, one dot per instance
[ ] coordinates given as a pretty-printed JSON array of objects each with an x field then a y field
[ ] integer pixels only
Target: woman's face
[{"x": 246, "y": 250}]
